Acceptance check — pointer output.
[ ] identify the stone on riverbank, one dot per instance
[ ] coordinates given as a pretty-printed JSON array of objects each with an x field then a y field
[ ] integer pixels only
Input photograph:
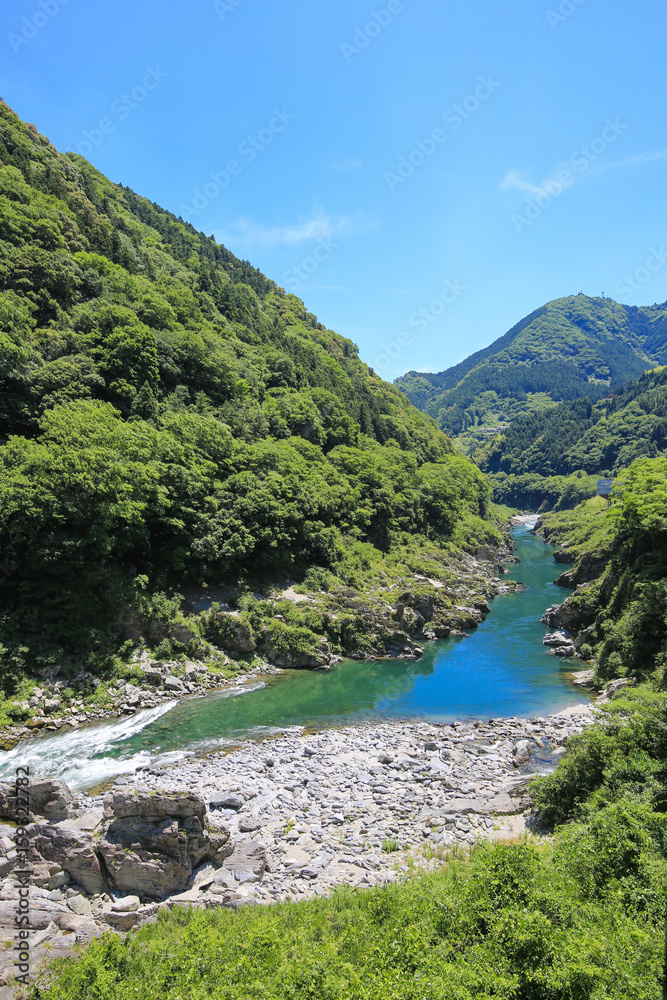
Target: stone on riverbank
[{"x": 152, "y": 842}]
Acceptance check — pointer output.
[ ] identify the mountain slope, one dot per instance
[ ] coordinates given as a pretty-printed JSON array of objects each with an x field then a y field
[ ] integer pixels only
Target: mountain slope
[
  {"x": 551, "y": 460},
  {"x": 599, "y": 439},
  {"x": 169, "y": 416},
  {"x": 571, "y": 347}
]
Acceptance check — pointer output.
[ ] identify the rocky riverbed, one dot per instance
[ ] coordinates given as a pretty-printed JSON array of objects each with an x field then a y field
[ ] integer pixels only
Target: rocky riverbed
[{"x": 284, "y": 819}]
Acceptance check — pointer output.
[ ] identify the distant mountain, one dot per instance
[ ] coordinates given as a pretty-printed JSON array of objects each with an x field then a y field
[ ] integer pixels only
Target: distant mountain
[
  {"x": 600, "y": 439},
  {"x": 570, "y": 348}
]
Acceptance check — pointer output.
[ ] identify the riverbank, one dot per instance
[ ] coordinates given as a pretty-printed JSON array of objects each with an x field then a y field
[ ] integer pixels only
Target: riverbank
[
  {"x": 276, "y": 631},
  {"x": 309, "y": 812},
  {"x": 357, "y": 805}
]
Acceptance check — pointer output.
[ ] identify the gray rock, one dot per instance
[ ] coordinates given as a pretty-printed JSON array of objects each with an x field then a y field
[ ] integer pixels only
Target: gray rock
[
  {"x": 74, "y": 851},
  {"x": 174, "y": 684},
  {"x": 237, "y": 635},
  {"x": 127, "y": 904},
  {"x": 556, "y": 639},
  {"x": 248, "y": 824},
  {"x": 59, "y": 880},
  {"x": 247, "y": 863},
  {"x": 226, "y": 800},
  {"x": 79, "y": 904},
  {"x": 123, "y": 921},
  {"x": 52, "y": 799},
  {"x": 154, "y": 675},
  {"x": 152, "y": 843},
  {"x": 521, "y": 752}
]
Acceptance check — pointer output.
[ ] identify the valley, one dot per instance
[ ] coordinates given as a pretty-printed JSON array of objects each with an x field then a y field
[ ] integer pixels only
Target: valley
[{"x": 268, "y": 636}]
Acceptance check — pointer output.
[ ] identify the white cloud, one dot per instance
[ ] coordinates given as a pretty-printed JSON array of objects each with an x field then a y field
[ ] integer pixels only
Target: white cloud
[
  {"x": 515, "y": 180},
  {"x": 635, "y": 161},
  {"x": 564, "y": 177},
  {"x": 348, "y": 166},
  {"x": 249, "y": 234}
]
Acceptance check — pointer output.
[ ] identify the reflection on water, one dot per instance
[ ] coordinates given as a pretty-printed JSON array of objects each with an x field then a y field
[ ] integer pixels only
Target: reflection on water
[{"x": 501, "y": 670}]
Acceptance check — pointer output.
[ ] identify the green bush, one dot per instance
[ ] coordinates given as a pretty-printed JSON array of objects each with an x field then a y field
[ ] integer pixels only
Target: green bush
[{"x": 507, "y": 924}]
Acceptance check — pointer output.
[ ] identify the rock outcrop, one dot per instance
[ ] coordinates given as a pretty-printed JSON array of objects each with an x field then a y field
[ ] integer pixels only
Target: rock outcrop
[
  {"x": 74, "y": 851},
  {"x": 51, "y": 799},
  {"x": 152, "y": 842}
]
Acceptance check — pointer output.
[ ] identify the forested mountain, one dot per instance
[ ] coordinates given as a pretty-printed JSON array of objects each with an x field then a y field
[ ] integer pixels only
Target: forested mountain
[
  {"x": 169, "y": 415},
  {"x": 599, "y": 438},
  {"x": 570, "y": 348},
  {"x": 619, "y": 557},
  {"x": 551, "y": 460}
]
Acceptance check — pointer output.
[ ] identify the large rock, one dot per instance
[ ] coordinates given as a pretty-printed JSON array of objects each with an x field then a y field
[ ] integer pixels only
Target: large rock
[
  {"x": 556, "y": 639},
  {"x": 74, "y": 850},
  {"x": 315, "y": 659},
  {"x": 152, "y": 842},
  {"x": 51, "y": 799},
  {"x": 235, "y": 635},
  {"x": 247, "y": 864}
]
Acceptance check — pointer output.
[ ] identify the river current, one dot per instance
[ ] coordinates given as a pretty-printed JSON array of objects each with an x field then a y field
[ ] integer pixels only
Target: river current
[{"x": 501, "y": 670}]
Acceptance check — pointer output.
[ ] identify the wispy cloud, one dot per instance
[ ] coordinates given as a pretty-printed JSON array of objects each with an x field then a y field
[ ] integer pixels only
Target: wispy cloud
[
  {"x": 516, "y": 180},
  {"x": 635, "y": 161},
  {"x": 252, "y": 235},
  {"x": 348, "y": 166}
]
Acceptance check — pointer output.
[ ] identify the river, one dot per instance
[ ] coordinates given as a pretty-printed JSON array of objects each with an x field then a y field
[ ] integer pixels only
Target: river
[{"x": 501, "y": 670}]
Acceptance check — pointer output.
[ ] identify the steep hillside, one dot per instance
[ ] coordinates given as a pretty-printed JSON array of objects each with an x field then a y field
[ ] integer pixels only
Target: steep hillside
[
  {"x": 619, "y": 569},
  {"x": 572, "y": 444},
  {"x": 571, "y": 347},
  {"x": 602, "y": 438},
  {"x": 169, "y": 416}
]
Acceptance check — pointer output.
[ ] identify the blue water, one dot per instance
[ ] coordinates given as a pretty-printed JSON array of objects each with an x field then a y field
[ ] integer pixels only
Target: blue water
[{"x": 502, "y": 669}]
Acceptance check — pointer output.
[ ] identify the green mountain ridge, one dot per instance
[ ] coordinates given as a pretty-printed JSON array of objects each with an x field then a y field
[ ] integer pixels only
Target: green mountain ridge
[
  {"x": 569, "y": 348},
  {"x": 603, "y": 438}
]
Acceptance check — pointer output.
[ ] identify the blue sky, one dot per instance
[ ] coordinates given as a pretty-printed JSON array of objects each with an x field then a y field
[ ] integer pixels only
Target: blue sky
[{"x": 421, "y": 173}]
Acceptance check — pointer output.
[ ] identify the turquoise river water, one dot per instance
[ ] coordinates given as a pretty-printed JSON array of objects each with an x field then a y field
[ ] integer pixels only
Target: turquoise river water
[{"x": 502, "y": 669}]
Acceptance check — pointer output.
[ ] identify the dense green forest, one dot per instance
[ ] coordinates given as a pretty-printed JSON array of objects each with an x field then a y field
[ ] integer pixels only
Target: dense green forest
[
  {"x": 619, "y": 557},
  {"x": 570, "y": 348},
  {"x": 596, "y": 438},
  {"x": 169, "y": 415},
  {"x": 551, "y": 460}
]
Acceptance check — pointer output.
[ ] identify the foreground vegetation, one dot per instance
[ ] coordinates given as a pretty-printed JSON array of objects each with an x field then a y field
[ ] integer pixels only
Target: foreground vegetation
[{"x": 582, "y": 917}]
